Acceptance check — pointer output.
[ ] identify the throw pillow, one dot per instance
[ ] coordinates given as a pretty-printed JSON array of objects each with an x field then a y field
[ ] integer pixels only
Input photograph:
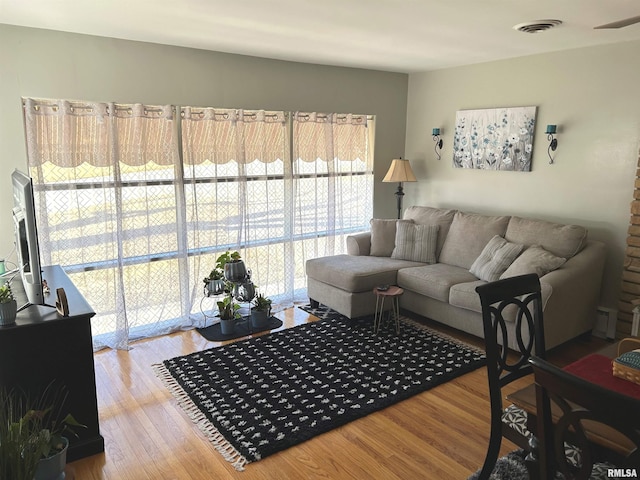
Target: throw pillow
[
  {"x": 383, "y": 236},
  {"x": 561, "y": 240},
  {"x": 432, "y": 216},
  {"x": 468, "y": 235},
  {"x": 416, "y": 242},
  {"x": 494, "y": 259},
  {"x": 534, "y": 259}
]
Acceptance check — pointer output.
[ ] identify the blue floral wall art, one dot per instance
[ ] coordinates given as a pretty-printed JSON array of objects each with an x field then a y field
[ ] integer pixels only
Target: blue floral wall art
[{"x": 494, "y": 138}]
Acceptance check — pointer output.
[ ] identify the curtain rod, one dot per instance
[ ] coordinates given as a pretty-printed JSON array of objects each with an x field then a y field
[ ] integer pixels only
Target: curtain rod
[
  {"x": 120, "y": 107},
  {"x": 82, "y": 106},
  {"x": 201, "y": 110}
]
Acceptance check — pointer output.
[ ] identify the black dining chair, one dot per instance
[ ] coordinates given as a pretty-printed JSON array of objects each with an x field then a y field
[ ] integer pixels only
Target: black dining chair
[
  {"x": 513, "y": 331},
  {"x": 582, "y": 406}
]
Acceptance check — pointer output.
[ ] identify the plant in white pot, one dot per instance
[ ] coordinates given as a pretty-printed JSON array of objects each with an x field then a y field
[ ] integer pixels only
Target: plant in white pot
[
  {"x": 260, "y": 311},
  {"x": 229, "y": 313},
  {"x": 8, "y": 305}
]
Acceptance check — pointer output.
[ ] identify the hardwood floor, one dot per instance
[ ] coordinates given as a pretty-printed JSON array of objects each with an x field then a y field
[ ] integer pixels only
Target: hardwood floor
[{"x": 439, "y": 434}]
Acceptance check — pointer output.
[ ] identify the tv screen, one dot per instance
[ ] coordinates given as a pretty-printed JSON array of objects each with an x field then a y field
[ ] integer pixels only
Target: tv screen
[{"x": 26, "y": 237}]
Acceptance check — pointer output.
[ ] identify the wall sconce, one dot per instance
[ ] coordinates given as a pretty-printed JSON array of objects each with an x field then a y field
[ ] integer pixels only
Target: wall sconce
[
  {"x": 436, "y": 138},
  {"x": 553, "y": 142}
]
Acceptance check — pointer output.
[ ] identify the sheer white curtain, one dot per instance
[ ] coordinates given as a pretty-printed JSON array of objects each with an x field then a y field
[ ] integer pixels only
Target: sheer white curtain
[
  {"x": 136, "y": 202},
  {"x": 333, "y": 178},
  {"x": 237, "y": 191},
  {"x": 105, "y": 182}
]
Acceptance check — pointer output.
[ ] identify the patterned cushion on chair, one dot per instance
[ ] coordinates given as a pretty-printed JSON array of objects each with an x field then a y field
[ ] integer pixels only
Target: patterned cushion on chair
[
  {"x": 516, "y": 419},
  {"x": 600, "y": 471}
]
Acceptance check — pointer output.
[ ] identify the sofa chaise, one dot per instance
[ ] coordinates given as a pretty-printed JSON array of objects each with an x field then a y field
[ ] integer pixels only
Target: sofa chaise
[{"x": 439, "y": 256}]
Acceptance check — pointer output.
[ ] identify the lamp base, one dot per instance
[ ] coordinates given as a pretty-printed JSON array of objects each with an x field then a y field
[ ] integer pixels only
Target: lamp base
[{"x": 399, "y": 195}]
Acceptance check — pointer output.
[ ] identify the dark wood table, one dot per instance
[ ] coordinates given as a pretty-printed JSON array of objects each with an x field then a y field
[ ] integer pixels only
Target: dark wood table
[{"x": 599, "y": 434}]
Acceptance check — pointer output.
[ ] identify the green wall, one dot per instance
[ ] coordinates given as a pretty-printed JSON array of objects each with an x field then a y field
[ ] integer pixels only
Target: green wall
[
  {"x": 591, "y": 94},
  {"x": 49, "y": 64}
]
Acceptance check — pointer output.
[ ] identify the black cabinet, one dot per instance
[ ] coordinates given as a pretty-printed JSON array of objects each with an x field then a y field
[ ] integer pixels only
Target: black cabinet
[{"x": 44, "y": 348}]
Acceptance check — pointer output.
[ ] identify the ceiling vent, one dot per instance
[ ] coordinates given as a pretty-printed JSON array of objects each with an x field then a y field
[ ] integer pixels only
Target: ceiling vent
[{"x": 537, "y": 26}]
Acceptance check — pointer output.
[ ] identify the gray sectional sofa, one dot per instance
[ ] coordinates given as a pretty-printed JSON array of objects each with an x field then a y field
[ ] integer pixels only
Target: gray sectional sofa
[{"x": 439, "y": 256}]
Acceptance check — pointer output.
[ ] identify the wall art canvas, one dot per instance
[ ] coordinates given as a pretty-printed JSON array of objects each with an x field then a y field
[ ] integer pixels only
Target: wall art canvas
[{"x": 494, "y": 138}]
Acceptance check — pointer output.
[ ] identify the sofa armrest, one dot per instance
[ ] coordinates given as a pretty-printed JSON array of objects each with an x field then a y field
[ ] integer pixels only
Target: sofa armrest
[
  {"x": 359, "y": 244},
  {"x": 571, "y": 308}
]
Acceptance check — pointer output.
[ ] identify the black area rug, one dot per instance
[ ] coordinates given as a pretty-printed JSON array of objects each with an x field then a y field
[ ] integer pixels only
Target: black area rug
[
  {"x": 242, "y": 328},
  {"x": 262, "y": 395},
  {"x": 324, "y": 313}
]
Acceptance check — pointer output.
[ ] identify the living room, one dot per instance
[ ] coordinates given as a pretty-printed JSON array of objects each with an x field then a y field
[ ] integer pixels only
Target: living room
[{"x": 589, "y": 92}]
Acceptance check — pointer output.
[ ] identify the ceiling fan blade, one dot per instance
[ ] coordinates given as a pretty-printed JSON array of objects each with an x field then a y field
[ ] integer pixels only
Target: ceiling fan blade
[{"x": 620, "y": 23}]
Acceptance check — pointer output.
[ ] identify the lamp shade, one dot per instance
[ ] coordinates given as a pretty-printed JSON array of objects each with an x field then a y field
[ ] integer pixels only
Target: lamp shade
[{"x": 400, "y": 171}]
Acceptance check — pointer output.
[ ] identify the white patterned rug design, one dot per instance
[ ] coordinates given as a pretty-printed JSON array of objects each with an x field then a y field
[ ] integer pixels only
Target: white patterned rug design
[{"x": 262, "y": 395}]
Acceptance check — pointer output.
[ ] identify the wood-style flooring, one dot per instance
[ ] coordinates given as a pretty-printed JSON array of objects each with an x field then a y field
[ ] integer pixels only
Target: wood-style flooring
[{"x": 438, "y": 434}]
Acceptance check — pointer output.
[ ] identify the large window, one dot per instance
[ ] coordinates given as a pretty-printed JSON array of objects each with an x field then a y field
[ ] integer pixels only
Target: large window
[{"x": 136, "y": 202}]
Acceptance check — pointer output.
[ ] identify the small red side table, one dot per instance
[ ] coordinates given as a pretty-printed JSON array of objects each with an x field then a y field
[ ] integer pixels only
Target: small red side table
[{"x": 393, "y": 292}]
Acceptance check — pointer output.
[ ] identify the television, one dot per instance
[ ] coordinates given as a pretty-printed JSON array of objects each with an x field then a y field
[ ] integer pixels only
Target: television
[{"x": 26, "y": 237}]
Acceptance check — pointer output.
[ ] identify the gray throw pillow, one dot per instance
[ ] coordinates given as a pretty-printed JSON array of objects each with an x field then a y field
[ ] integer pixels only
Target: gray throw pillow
[
  {"x": 468, "y": 234},
  {"x": 495, "y": 258},
  {"x": 383, "y": 236},
  {"x": 416, "y": 242},
  {"x": 534, "y": 259}
]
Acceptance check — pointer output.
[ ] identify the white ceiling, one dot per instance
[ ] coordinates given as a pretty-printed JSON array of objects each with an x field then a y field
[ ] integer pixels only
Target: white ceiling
[{"x": 391, "y": 35}]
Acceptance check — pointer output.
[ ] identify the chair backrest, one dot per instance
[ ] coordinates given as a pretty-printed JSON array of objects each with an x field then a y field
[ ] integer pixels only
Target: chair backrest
[
  {"x": 511, "y": 309},
  {"x": 582, "y": 403}
]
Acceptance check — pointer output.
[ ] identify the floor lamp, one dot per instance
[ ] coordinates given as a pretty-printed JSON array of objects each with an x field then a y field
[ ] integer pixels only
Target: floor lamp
[{"x": 399, "y": 171}]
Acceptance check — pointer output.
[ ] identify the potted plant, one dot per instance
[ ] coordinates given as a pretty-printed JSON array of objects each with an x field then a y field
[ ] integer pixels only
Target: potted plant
[
  {"x": 244, "y": 291},
  {"x": 229, "y": 312},
  {"x": 233, "y": 267},
  {"x": 52, "y": 446},
  {"x": 8, "y": 305},
  {"x": 214, "y": 282},
  {"x": 260, "y": 311},
  {"x": 32, "y": 441},
  {"x": 229, "y": 266}
]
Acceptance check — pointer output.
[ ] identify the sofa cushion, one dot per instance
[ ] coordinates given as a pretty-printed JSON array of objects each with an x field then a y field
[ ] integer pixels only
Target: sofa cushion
[
  {"x": 433, "y": 280},
  {"x": 464, "y": 295},
  {"x": 383, "y": 236},
  {"x": 561, "y": 240},
  {"x": 416, "y": 242},
  {"x": 432, "y": 216},
  {"x": 356, "y": 274},
  {"x": 494, "y": 259},
  {"x": 534, "y": 259},
  {"x": 468, "y": 235}
]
